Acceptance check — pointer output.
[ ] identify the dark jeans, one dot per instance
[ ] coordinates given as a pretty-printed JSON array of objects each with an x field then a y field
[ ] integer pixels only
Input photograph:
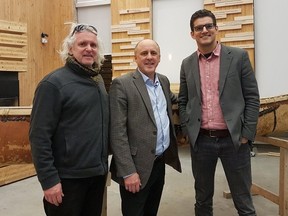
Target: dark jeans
[
  {"x": 237, "y": 168},
  {"x": 146, "y": 201},
  {"x": 82, "y": 197}
]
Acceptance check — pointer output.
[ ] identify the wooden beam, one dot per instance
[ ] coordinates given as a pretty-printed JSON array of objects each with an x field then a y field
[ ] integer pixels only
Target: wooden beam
[
  {"x": 233, "y": 3},
  {"x": 15, "y": 27},
  {"x": 13, "y": 52},
  {"x": 15, "y": 66},
  {"x": 13, "y": 39},
  {"x": 239, "y": 38},
  {"x": 273, "y": 140},
  {"x": 123, "y": 40},
  {"x": 137, "y": 21},
  {"x": 118, "y": 68},
  {"x": 23, "y": 110},
  {"x": 135, "y": 32},
  {"x": 127, "y": 25},
  {"x": 121, "y": 61},
  {"x": 134, "y": 10},
  {"x": 14, "y": 173},
  {"x": 256, "y": 189},
  {"x": 124, "y": 47},
  {"x": 128, "y": 29},
  {"x": 122, "y": 54}
]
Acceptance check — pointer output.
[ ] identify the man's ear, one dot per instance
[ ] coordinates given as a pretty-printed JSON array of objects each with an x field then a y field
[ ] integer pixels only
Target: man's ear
[{"x": 192, "y": 34}]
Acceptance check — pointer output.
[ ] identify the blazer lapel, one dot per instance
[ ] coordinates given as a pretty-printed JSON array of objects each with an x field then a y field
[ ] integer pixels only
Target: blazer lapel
[
  {"x": 196, "y": 73},
  {"x": 225, "y": 62},
  {"x": 166, "y": 91},
  {"x": 141, "y": 87}
]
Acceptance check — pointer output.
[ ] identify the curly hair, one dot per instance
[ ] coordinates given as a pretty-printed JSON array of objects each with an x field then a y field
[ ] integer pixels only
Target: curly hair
[{"x": 70, "y": 39}]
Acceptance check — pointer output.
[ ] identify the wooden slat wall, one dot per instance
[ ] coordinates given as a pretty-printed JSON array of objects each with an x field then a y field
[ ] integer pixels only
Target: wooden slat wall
[
  {"x": 13, "y": 46},
  {"x": 131, "y": 22},
  {"x": 235, "y": 20},
  {"x": 39, "y": 16}
]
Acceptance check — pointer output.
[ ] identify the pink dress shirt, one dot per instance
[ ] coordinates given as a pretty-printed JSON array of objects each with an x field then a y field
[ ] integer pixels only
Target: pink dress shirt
[{"x": 212, "y": 117}]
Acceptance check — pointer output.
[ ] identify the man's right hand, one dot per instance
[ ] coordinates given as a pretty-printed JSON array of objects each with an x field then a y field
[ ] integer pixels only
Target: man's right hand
[
  {"x": 132, "y": 183},
  {"x": 54, "y": 194}
]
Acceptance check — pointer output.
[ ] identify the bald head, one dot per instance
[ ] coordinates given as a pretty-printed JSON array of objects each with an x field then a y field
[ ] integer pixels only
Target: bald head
[
  {"x": 147, "y": 57},
  {"x": 146, "y": 42}
]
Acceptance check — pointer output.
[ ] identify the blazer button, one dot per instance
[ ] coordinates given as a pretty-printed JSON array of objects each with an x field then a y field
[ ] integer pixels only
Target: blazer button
[
  {"x": 154, "y": 132},
  {"x": 153, "y": 151},
  {"x": 199, "y": 120}
]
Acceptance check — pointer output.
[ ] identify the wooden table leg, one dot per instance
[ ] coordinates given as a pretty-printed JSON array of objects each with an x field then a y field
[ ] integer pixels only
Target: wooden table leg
[{"x": 283, "y": 182}]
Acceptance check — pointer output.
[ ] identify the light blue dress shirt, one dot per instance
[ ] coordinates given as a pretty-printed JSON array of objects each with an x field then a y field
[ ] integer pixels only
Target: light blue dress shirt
[{"x": 159, "y": 106}]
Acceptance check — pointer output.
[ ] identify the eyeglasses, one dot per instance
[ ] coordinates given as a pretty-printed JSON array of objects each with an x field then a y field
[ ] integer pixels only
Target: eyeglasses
[
  {"x": 208, "y": 26},
  {"x": 82, "y": 27}
]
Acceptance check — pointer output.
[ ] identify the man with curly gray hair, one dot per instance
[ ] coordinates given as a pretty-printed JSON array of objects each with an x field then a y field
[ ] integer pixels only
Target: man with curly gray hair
[{"x": 69, "y": 129}]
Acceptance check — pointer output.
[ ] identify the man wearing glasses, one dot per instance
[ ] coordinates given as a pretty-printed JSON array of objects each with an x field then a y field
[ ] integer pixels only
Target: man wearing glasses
[
  {"x": 219, "y": 106},
  {"x": 69, "y": 129}
]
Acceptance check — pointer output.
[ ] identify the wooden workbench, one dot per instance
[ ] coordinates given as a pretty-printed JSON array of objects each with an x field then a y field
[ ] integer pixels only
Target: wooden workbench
[{"x": 281, "y": 198}]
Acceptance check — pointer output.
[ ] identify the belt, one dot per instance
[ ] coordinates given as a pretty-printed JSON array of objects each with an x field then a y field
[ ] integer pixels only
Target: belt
[
  {"x": 215, "y": 133},
  {"x": 159, "y": 158}
]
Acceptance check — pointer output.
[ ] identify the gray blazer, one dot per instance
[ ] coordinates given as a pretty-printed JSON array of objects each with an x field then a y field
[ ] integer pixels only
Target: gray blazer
[
  {"x": 133, "y": 128},
  {"x": 238, "y": 92}
]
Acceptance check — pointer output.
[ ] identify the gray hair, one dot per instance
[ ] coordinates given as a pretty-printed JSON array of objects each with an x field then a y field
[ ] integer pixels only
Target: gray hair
[{"x": 70, "y": 40}]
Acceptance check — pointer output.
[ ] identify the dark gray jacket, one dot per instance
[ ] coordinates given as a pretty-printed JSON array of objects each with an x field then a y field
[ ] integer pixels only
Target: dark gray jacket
[
  {"x": 238, "y": 95},
  {"x": 69, "y": 126}
]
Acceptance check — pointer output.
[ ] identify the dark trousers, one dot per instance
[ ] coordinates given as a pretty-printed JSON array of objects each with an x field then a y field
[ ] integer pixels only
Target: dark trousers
[
  {"x": 146, "y": 201},
  {"x": 82, "y": 197},
  {"x": 237, "y": 168}
]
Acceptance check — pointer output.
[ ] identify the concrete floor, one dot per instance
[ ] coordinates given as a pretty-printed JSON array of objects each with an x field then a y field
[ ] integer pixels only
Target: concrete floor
[{"x": 24, "y": 198}]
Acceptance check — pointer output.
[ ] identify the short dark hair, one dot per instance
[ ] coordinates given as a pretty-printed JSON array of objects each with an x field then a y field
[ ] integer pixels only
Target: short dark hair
[{"x": 200, "y": 14}]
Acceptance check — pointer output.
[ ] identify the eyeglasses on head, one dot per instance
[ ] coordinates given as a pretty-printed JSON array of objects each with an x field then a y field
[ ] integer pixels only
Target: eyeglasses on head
[{"x": 83, "y": 27}]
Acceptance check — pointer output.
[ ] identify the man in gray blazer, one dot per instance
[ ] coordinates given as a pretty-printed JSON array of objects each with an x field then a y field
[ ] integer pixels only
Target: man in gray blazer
[
  {"x": 219, "y": 107},
  {"x": 142, "y": 133}
]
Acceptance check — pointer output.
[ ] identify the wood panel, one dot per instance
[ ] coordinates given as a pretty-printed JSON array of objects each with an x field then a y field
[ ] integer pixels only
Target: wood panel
[
  {"x": 39, "y": 16},
  {"x": 12, "y": 173},
  {"x": 13, "y": 46},
  {"x": 235, "y": 20},
  {"x": 131, "y": 22}
]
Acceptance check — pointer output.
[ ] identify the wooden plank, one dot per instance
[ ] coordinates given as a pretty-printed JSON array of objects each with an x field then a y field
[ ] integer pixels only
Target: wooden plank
[
  {"x": 13, "y": 52},
  {"x": 125, "y": 29},
  {"x": 124, "y": 47},
  {"x": 127, "y": 25},
  {"x": 256, "y": 189},
  {"x": 273, "y": 140},
  {"x": 122, "y": 54},
  {"x": 283, "y": 181},
  {"x": 239, "y": 34},
  {"x": 15, "y": 66},
  {"x": 137, "y": 21},
  {"x": 123, "y": 40},
  {"x": 16, "y": 27},
  {"x": 119, "y": 68},
  {"x": 90, "y": 3},
  {"x": 12, "y": 173},
  {"x": 240, "y": 38},
  {"x": 244, "y": 46},
  {"x": 121, "y": 61},
  {"x": 249, "y": 17},
  {"x": 134, "y": 10},
  {"x": 229, "y": 27},
  {"x": 136, "y": 32},
  {"x": 232, "y": 3},
  {"x": 207, "y": 2},
  {"x": 13, "y": 39},
  {"x": 22, "y": 110}
]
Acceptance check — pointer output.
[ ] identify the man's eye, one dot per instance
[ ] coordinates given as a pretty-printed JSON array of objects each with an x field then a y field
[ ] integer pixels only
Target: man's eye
[{"x": 94, "y": 46}]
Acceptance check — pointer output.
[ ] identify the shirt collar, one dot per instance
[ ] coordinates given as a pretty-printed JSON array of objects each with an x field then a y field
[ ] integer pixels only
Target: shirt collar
[
  {"x": 147, "y": 80},
  {"x": 215, "y": 52}
]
